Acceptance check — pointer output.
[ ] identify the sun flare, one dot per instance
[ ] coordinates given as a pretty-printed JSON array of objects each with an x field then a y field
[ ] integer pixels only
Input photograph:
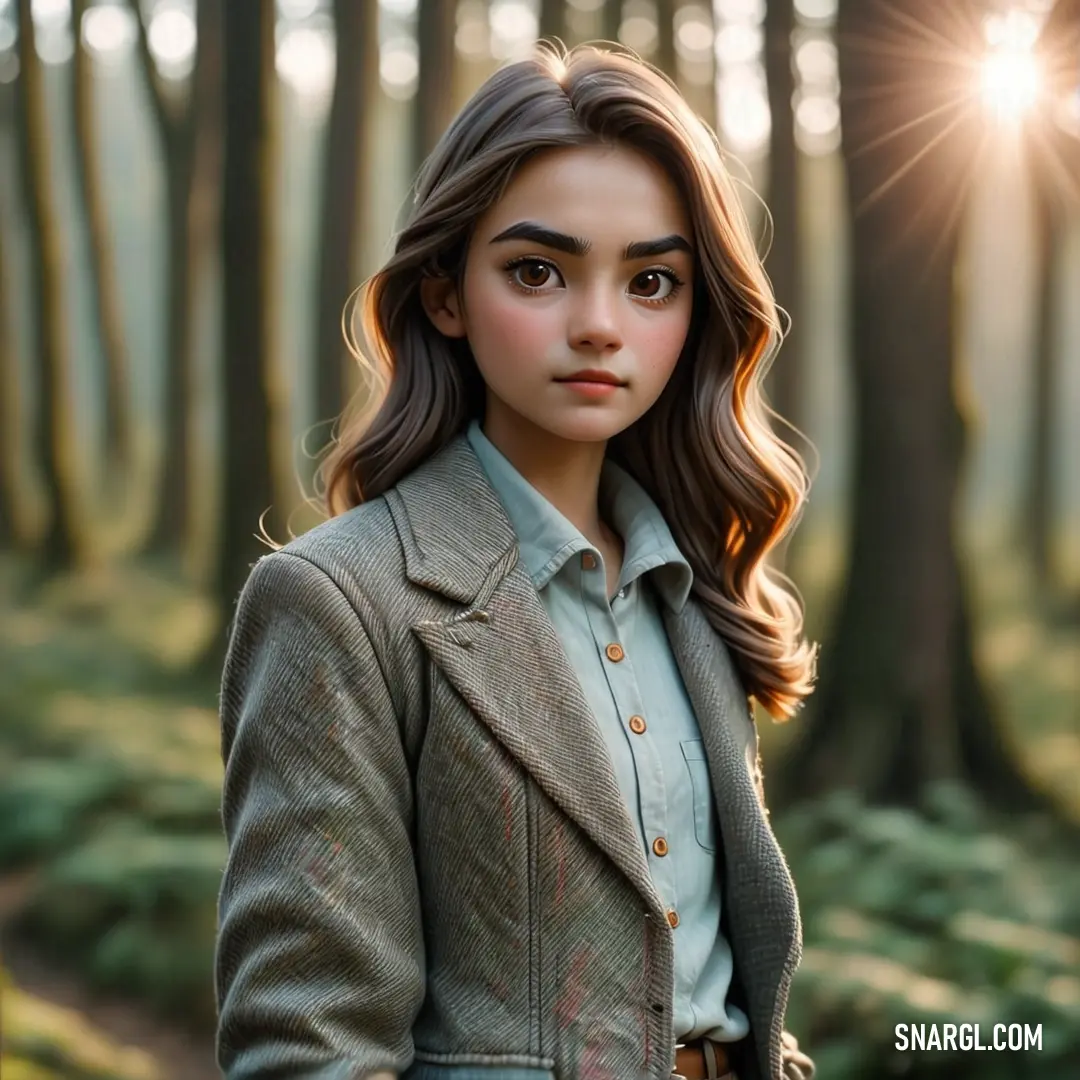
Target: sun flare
[{"x": 1010, "y": 77}]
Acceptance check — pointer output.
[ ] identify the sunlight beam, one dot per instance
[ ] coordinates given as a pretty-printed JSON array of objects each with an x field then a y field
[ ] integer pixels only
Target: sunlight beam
[{"x": 1010, "y": 78}]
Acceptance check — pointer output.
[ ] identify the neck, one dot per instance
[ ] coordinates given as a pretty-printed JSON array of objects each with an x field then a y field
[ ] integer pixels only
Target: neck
[{"x": 566, "y": 472}]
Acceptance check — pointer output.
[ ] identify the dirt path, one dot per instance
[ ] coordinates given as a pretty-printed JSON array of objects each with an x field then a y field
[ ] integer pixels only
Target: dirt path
[{"x": 180, "y": 1055}]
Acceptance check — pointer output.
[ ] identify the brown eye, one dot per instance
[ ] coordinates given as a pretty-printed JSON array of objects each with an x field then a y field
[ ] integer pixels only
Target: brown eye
[
  {"x": 533, "y": 275},
  {"x": 652, "y": 285}
]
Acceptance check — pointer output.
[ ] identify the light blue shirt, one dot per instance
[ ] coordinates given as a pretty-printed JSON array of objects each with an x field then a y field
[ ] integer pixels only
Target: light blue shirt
[{"x": 661, "y": 766}]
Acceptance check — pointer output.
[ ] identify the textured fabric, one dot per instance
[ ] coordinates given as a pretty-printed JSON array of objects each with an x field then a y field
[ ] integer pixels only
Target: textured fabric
[
  {"x": 424, "y": 1071},
  {"x": 429, "y": 855},
  {"x": 661, "y": 770}
]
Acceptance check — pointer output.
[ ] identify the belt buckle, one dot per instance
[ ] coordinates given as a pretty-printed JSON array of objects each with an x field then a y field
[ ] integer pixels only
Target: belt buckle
[{"x": 676, "y": 1075}]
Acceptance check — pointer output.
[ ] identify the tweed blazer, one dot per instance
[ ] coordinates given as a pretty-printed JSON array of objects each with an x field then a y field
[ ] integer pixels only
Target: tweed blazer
[{"x": 431, "y": 867}]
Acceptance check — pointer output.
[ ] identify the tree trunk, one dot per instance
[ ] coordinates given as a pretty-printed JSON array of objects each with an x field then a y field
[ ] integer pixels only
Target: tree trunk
[
  {"x": 901, "y": 702},
  {"x": 666, "y": 58},
  {"x": 345, "y": 181},
  {"x": 55, "y": 422},
  {"x": 172, "y": 514},
  {"x": 553, "y": 20},
  {"x": 252, "y": 390},
  {"x": 119, "y": 444},
  {"x": 1053, "y": 158},
  {"x": 433, "y": 107},
  {"x": 1038, "y": 504},
  {"x": 709, "y": 113},
  {"x": 190, "y": 143},
  {"x": 786, "y": 383},
  {"x": 782, "y": 262},
  {"x": 612, "y": 20},
  {"x": 14, "y": 532}
]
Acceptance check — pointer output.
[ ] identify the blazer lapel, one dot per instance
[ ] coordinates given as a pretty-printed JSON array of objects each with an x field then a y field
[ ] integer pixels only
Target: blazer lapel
[
  {"x": 503, "y": 655},
  {"x": 758, "y": 891}
]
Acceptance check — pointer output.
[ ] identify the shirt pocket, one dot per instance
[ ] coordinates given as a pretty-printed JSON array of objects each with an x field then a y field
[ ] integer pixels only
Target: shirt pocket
[{"x": 697, "y": 765}]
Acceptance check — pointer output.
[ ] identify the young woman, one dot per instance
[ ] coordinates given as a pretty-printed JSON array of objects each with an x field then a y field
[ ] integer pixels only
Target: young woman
[{"x": 492, "y": 791}]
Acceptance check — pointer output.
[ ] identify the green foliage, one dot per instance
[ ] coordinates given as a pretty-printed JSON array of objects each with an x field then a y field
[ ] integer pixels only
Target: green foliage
[
  {"x": 110, "y": 787},
  {"x": 931, "y": 918},
  {"x": 135, "y": 909},
  {"x": 45, "y": 802}
]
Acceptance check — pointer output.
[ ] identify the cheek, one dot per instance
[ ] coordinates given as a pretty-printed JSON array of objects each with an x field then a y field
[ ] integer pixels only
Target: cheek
[
  {"x": 659, "y": 343},
  {"x": 502, "y": 327}
]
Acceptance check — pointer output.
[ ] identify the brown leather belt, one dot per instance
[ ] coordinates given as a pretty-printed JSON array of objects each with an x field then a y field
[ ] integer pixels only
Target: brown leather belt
[{"x": 702, "y": 1059}]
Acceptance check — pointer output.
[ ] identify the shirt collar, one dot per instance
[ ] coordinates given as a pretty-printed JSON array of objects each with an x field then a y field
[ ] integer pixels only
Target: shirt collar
[{"x": 546, "y": 539}]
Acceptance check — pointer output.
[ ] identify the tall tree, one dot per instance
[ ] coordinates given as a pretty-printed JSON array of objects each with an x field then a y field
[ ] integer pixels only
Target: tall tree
[
  {"x": 188, "y": 130},
  {"x": 553, "y": 20},
  {"x": 782, "y": 262},
  {"x": 709, "y": 110},
  {"x": 433, "y": 106},
  {"x": 119, "y": 444},
  {"x": 13, "y": 529},
  {"x": 1037, "y": 523},
  {"x": 344, "y": 194},
  {"x": 901, "y": 701},
  {"x": 55, "y": 419},
  {"x": 1054, "y": 161},
  {"x": 666, "y": 58},
  {"x": 253, "y": 403},
  {"x": 612, "y": 19}
]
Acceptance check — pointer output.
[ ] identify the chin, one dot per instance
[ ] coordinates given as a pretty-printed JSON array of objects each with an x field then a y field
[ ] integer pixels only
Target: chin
[{"x": 584, "y": 427}]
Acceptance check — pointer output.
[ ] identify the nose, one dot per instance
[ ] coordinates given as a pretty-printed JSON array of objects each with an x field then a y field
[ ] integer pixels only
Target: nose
[{"x": 594, "y": 321}]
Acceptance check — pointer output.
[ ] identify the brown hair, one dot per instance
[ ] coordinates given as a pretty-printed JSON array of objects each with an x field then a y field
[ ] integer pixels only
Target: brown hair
[{"x": 729, "y": 488}]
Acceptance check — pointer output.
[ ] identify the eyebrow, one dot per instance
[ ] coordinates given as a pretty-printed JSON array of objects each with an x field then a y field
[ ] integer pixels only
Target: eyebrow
[{"x": 577, "y": 245}]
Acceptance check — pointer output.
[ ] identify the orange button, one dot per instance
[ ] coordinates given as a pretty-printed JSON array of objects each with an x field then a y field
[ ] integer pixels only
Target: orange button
[
  {"x": 614, "y": 653},
  {"x": 659, "y": 846},
  {"x": 673, "y": 918},
  {"x": 637, "y": 724},
  {"x": 588, "y": 560}
]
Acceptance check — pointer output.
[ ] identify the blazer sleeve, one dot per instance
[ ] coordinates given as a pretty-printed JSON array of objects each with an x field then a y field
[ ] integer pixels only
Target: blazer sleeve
[{"x": 319, "y": 966}]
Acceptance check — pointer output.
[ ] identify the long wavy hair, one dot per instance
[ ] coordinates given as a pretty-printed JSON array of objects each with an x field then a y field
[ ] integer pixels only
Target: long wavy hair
[{"x": 728, "y": 487}]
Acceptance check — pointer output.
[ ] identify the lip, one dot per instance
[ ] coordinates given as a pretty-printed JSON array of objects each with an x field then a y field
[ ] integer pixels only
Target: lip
[
  {"x": 591, "y": 389},
  {"x": 592, "y": 375}
]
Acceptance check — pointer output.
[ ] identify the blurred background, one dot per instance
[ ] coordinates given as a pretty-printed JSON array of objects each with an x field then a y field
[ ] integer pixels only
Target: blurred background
[{"x": 190, "y": 190}]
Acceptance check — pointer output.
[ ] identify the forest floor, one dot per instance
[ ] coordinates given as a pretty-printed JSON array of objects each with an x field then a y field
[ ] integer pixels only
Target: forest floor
[
  {"x": 101, "y": 647},
  {"x": 176, "y": 1053},
  {"x": 100, "y": 658}
]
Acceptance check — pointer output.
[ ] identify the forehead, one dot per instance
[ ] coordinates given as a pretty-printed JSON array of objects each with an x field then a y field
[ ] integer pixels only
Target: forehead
[{"x": 595, "y": 192}]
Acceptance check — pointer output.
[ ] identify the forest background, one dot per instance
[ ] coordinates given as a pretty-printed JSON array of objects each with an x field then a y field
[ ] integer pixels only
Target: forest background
[{"x": 189, "y": 191}]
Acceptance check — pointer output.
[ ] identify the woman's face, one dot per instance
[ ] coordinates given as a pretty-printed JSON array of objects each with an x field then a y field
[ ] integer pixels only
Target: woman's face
[{"x": 585, "y": 263}]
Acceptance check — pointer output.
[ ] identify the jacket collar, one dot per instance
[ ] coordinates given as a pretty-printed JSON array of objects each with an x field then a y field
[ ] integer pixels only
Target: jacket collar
[
  {"x": 547, "y": 539},
  {"x": 452, "y": 526}
]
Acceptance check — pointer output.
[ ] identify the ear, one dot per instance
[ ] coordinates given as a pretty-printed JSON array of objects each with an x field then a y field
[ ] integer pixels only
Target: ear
[{"x": 439, "y": 296}]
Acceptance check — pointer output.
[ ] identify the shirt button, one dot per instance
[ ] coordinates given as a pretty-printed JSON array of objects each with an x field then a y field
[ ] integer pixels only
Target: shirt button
[
  {"x": 637, "y": 724},
  {"x": 622, "y": 593},
  {"x": 614, "y": 653},
  {"x": 673, "y": 918},
  {"x": 659, "y": 846},
  {"x": 588, "y": 561}
]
